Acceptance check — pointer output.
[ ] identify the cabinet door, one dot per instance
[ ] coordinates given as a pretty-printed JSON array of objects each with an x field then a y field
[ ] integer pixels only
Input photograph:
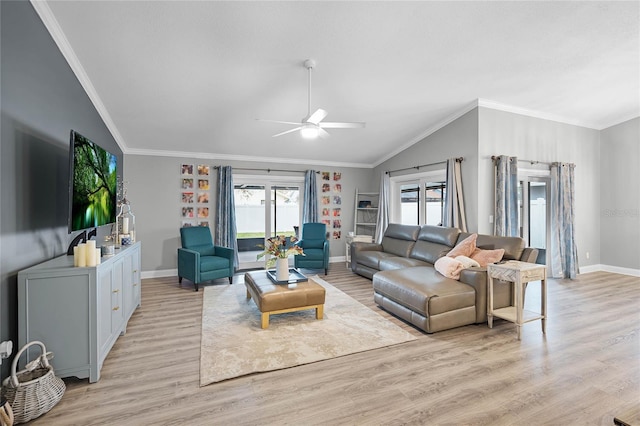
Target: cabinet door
[
  {"x": 104, "y": 308},
  {"x": 117, "y": 308}
]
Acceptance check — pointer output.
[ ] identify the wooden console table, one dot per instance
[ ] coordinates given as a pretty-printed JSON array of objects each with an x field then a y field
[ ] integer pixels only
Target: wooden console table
[{"x": 519, "y": 273}]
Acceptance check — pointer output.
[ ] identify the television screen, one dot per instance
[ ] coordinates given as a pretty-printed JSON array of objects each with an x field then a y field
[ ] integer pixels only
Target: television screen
[{"x": 93, "y": 184}]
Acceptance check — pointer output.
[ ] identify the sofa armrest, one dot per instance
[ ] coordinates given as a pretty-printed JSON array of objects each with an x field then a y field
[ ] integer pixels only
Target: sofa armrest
[
  {"x": 529, "y": 254},
  {"x": 360, "y": 246}
]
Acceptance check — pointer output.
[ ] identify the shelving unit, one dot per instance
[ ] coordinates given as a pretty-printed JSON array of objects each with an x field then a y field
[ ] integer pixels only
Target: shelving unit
[{"x": 366, "y": 213}]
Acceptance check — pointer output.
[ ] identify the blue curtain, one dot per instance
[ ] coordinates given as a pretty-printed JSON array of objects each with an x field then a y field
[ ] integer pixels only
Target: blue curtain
[
  {"x": 310, "y": 206},
  {"x": 564, "y": 253},
  {"x": 383, "y": 208},
  {"x": 506, "y": 208},
  {"x": 226, "y": 232},
  {"x": 453, "y": 215}
]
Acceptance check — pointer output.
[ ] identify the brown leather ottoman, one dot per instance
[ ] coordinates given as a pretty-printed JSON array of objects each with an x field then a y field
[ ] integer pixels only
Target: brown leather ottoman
[{"x": 274, "y": 298}]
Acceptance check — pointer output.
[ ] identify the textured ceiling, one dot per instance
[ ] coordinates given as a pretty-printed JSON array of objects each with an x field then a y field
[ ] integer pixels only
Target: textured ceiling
[{"x": 192, "y": 77}]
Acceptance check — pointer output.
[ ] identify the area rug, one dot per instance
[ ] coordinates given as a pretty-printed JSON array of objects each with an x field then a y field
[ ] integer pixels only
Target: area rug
[{"x": 234, "y": 345}]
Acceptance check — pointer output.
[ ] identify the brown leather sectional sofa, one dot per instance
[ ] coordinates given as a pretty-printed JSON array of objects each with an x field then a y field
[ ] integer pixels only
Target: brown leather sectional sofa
[{"x": 406, "y": 283}]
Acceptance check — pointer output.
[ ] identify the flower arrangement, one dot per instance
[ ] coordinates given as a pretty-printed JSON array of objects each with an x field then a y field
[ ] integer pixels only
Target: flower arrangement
[{"x": 278, "y": 247}]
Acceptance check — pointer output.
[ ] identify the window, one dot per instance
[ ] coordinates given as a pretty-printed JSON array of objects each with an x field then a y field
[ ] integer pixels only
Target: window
[
  {"x": 418, "y": 199},
  {"x": 534, "y": 209}
]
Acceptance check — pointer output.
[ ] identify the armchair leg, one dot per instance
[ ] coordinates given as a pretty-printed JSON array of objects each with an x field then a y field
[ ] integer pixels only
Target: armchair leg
[
  {"x": 180, "y": 280},
  {"x": 231, "y": 280},
  {"x": 196, "y": 284},
  {"x": 326, "y": 271}
]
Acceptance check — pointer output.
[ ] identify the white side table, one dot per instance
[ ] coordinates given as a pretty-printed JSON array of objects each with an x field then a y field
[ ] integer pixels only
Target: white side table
[{"x": 519, "y": 273}]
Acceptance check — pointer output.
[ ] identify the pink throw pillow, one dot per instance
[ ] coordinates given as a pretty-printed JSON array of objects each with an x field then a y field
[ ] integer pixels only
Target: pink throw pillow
[
  {"x": 464, "y": 247},
  {"x": 484, "y": 257},
  {"x": 449, "y": 267}
]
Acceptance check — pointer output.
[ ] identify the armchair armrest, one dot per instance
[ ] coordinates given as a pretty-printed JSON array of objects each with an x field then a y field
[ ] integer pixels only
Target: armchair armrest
[
  {"x": 189, "y": 264},
  {"x": 224, "y": 252}
]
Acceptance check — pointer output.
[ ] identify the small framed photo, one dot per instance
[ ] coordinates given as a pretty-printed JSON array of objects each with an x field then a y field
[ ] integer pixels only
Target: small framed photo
[
  {"x": 337, "y": 200},
  {"x": 337, "y": 187},
  {"x": 337, "y": 176},
  {"x": 203, "y": 184},
  {"x": 336, "y": 212},
  {"x": 186, "y": 169},
  {"x": 326, "y": 211},
  {"x": 326, "y": 200},
  {"x": 204, "y": 223},
  {"x": 187, "y": 183},
  {"x": 203, "y": 212},
  {"x": 203, "y": 197},
  {"x": 326, "y": 175},
  {"x": 187, "y": 212},
  {"x": 203, "y": 170},
  {"x": 337, "y": 224},
  {"x": 187, "y": 197},
  {"x": 337, "y": 235},
  {"x": 187, "y": 223},
  {"x": 326, "y": 187}
]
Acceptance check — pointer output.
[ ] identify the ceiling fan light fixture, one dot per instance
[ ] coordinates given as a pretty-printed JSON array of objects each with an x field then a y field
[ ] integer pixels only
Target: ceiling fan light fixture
[{"x": 309, "y": 131}]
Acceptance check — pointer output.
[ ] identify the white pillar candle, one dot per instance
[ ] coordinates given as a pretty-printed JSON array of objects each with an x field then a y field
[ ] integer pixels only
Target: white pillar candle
[
  {"x": 91, "y": 253},
  {"x": 125, "y": 225},
  {"x": 98, "y": 256},
  {"x": 82, "y": 255},
  {"x": 75, "y": 256}
]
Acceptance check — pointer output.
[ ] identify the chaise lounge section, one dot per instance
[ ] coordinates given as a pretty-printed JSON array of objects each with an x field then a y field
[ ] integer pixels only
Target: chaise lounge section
[{"x": 406, "y": 283}]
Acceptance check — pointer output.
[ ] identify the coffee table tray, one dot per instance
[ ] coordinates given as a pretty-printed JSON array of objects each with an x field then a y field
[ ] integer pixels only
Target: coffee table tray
[{"x": 294, "y": 276}]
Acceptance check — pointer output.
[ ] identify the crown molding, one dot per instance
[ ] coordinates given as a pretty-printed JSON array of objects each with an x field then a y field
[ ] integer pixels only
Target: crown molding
[
  {"x": 213, "y": 156},
  {"x": 431, "y": 130},
  {"x": 51, "y": 23}
]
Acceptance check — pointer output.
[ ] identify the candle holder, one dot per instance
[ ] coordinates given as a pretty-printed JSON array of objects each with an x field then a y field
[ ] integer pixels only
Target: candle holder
[{"x": 125, "y": 230}]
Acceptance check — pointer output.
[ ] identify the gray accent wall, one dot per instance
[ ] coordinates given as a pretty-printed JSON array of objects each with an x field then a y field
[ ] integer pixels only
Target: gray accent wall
[
  {"x": 41, "y": 102},
  {"x": 620, "y": 195},
  {"x": 154, "y": 191},
  {"x": 457, "y": 139},
  {"x": 506, "y": 133}
]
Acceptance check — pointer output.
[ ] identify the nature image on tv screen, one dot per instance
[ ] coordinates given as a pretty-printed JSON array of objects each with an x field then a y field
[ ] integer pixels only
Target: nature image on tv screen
[{"x": 93, "y": 201}]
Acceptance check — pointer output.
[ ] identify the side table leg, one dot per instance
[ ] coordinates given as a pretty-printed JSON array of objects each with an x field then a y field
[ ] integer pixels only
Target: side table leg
[
  {"x": 543, "y": 289},
  {"x": 489, "y": 299},
  {"x": 518, "y": 291}
]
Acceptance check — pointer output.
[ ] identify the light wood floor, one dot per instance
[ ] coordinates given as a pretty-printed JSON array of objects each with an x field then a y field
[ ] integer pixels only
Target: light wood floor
[{"x": 585, "y": 371}]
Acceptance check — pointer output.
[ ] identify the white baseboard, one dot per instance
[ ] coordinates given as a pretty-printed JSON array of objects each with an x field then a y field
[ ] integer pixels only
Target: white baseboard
[{"x": 609, "y": 268}]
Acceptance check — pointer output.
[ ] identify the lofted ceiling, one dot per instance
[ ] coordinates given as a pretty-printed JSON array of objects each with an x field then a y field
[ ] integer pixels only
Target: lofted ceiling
[{"x": 190, "y": 78}]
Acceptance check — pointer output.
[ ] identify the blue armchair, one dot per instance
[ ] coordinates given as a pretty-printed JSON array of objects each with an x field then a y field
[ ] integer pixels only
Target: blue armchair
[
  {"x": 199, "y": 260},
  {"x": 316, "y": 247}
]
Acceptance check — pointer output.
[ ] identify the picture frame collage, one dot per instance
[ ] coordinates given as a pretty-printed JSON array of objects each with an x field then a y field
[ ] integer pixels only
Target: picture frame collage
[
  {"x": 331, "y": 203},
  {"x": 195, "y": 194}
]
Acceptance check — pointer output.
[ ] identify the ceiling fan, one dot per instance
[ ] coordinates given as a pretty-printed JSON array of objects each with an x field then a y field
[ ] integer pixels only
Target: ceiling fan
[{"x": 312, "y": 125}]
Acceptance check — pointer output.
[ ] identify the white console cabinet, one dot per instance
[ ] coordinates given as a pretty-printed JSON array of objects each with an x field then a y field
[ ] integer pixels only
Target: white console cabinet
[{"x": 78, "y": 313}]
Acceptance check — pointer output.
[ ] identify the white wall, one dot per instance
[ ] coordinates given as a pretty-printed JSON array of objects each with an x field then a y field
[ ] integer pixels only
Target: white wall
[
  {"x": 505, "y": 133},
  {"x": 620, "y": 195}
]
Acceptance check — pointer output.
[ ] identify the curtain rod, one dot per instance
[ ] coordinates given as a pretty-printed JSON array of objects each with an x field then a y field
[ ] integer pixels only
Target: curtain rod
[
  {"x": 458, "y": 160},
  {"x": 495, "y": 157},
  {"x": 268, "y": 170}
]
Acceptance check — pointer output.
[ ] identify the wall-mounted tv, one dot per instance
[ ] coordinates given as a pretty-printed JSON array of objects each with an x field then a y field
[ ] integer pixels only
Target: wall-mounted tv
[{"x": 92, "y": 184}]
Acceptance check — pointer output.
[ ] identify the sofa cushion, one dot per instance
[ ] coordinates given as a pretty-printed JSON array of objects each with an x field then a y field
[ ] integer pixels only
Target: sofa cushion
[
  {"x": 464, "y": 247},
  {"x": 424, "y": 290},
  {"x": 484, "y": 257},
  {"x": 513, "y": 246},
  {"x": 434, "y": 242},
  {"x": 400, "y": 239},
  {"x": 398, "y": 262}
]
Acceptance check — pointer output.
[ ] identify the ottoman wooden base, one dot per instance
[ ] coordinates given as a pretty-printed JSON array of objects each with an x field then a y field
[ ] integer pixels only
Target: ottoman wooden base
[{"x": 274, "y": 298}]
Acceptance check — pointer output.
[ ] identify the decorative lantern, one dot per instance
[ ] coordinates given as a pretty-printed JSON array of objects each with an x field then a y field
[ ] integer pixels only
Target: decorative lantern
[{"x": 125, "y": 221}]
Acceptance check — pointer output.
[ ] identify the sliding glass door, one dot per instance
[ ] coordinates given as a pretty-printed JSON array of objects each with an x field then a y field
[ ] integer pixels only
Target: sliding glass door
[
  {"x": 534, "y": 212},
  {"x": 265, "y": 207}
]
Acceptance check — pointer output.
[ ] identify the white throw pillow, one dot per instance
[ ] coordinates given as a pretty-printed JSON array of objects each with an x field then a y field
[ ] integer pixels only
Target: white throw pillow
[{"x": 467, "y": 262}]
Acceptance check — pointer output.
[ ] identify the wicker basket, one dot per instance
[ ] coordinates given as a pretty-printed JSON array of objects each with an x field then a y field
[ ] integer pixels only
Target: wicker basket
[{"x": 34, "y": 390}]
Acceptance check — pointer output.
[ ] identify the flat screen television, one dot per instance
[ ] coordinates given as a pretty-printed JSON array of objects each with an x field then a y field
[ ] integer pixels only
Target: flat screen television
[{"x": 92, "y": 184}]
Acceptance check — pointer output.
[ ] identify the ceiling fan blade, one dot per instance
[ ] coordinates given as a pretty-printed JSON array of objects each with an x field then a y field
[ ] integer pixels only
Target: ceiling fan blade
[
  {"x": 317, "y": 116},
  {"x": 354, "y": 125},
  {"x": 323, "y": 133},
  {"x": 276, "y": 121},
  {"x": 288, "y": 131}
]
